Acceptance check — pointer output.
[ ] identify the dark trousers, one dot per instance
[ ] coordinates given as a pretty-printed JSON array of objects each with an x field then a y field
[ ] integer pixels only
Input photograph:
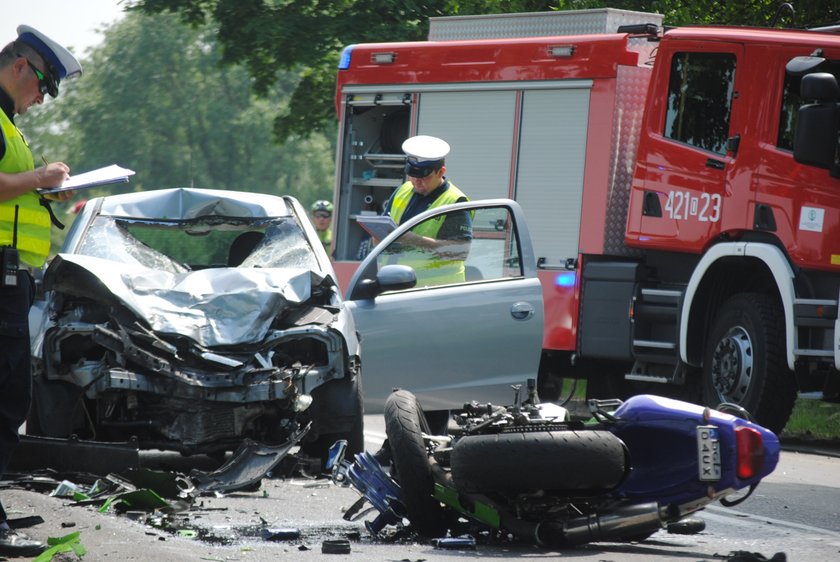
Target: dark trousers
[{"x": 15, "y": 375}]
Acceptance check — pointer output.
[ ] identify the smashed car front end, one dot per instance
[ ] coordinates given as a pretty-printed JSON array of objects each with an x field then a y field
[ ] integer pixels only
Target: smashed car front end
[{"x": 151, "y": 334}]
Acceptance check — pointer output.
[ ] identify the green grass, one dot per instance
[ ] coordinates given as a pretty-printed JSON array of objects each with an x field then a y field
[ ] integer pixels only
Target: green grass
[{"x": 814, "y": 419}]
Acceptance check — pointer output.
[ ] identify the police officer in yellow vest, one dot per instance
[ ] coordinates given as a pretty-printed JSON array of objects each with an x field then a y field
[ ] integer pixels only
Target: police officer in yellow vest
[
  {"x": 436, "y": 248},
  {"x": 31, "y": 67}
]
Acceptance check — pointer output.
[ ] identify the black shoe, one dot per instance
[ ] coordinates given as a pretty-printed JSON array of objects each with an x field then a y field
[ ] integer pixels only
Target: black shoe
[{"x": 15, "y": 544}]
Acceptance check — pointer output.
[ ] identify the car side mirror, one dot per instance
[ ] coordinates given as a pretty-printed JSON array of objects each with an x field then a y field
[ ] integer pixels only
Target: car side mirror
[
  {"x": 815, "y": 139},
  {"x": 389, "y": 278},
  {"x": 396, "y": 278}
]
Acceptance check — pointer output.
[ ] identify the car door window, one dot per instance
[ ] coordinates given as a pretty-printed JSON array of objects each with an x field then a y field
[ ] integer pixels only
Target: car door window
[{"x": 459, "y": 247}]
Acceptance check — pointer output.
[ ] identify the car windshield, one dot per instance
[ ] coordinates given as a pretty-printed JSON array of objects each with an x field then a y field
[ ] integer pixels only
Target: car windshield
[{"x": 181, "y": 246}]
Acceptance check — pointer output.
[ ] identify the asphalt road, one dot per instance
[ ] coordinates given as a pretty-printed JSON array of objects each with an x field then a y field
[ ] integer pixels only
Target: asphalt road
[{"x": 794, "y": 511}]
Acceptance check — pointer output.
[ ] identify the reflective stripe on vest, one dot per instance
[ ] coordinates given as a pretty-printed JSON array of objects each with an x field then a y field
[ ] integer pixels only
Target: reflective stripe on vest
[
  {"x": 430, "y": 269},
  {"x": 33, "y": 221}
]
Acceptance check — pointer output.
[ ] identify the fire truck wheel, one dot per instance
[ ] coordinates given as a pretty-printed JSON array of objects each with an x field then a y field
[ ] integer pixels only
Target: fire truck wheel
[
  {"x": 745, "y": 363},
  {"x": 581, "y": 461},
  {"x": 405, "y": 424}
]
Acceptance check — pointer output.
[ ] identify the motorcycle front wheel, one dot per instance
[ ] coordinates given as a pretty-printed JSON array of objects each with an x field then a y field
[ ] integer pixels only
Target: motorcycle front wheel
[{"x": 404, "y": 426}]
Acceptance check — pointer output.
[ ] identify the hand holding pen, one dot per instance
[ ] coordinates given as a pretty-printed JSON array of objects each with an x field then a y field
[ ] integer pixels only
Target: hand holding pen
[{"x": 54, "y": 174}]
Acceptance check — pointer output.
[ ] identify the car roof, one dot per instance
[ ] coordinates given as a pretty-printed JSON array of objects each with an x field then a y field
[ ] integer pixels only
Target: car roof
[{"x": 184, "y": 203}]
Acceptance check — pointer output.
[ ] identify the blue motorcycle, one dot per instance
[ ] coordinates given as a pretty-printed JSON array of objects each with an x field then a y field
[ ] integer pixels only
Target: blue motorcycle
[{"x": 530, "y": 471}]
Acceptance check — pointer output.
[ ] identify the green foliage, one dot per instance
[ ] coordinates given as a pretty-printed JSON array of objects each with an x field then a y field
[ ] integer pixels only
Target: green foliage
[
  {"x": 155, "y": 98},
  {"x": 706, "y": 12},
  {"x": 306, "y": 36}
]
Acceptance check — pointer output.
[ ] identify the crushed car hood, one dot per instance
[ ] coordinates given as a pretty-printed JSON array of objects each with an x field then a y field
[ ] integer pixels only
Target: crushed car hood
[{"x": 222, "y": 306}]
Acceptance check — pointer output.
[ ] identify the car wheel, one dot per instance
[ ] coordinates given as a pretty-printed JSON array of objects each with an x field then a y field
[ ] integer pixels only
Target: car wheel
[
  {"x": 356, "y": 436},
  {"x": 513, "y": 463},
  {"x": 404, "y": 426},
  {"x": 745, "y": 363},
  {"x": 331, "y": 403}
]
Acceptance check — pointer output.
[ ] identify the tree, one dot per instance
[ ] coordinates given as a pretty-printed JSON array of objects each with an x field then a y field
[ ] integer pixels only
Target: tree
[
  {"x": 306, "y": 36},
  {"x": 154, "y": 98},
  {"x": 747, "y": 12}
]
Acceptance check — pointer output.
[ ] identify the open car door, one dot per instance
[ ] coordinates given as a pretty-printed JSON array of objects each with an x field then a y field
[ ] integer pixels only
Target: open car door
[{"x": 450, "y": 338}]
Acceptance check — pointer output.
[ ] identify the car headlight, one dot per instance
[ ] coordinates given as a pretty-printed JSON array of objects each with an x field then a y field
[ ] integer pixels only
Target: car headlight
[{"x": 302, "y": 402}]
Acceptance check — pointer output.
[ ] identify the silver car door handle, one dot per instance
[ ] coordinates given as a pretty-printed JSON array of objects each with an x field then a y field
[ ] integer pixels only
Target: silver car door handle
[{"x": 522, "y": 310}]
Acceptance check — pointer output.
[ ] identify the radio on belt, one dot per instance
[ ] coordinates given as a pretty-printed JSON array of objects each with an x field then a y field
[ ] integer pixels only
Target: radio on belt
[{"x": 10, "y": 259}]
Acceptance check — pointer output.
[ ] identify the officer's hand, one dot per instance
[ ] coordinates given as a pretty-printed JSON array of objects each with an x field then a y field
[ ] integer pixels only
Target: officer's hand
[
  {"x": 53, "y": 174},
  {"x": 60, "y": 196}
]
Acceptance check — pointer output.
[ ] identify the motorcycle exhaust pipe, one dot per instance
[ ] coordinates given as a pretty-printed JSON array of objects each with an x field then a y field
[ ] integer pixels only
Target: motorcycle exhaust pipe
[{"x": 626, "y": 522}]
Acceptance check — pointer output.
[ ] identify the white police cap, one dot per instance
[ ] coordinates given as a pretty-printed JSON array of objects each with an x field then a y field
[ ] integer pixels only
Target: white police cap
[
  {"x": 424, "y": 148},
  {"x": 60, "y": 62}
]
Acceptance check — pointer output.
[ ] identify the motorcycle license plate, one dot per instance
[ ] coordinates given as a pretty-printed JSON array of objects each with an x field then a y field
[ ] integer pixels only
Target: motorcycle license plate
[{"x": 708, "y": 453}]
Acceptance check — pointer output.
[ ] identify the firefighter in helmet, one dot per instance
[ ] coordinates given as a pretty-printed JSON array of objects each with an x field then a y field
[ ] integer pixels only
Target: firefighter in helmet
[{"x": 321, "y": 211}]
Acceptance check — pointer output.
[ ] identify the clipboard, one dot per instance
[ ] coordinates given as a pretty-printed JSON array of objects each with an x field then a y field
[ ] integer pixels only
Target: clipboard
[
  {"x": 94, "y": 178},
  {"x": 378, "y": 226}
]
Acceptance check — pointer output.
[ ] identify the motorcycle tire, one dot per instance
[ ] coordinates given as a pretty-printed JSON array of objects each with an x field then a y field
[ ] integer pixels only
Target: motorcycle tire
[
  {"x": 404, "y": 426},
  {"x": 573, "y": 462}
]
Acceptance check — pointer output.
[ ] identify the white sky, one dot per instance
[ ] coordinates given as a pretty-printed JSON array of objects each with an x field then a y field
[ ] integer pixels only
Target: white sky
[{"x": 72, "y": 23}]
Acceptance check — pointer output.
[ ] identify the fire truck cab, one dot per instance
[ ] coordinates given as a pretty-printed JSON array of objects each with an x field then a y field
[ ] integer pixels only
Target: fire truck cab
[{"x": 680, "y": 188}]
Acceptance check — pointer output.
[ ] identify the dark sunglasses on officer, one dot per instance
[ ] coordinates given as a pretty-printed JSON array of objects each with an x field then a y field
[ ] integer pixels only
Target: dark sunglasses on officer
[{"x": 421, "y": 169}]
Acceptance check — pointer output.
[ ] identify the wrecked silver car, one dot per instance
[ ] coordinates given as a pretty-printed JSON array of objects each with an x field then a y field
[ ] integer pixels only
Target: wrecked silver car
[{"x": 191, "y": 319}]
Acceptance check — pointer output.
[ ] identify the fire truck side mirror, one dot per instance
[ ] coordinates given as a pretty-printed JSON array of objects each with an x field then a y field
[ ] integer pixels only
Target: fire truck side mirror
[{"x": 816, "y": 137}]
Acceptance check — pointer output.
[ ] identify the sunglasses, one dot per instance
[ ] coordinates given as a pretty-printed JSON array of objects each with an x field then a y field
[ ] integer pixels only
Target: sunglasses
[
  {"x": 322, "y": 216},
  {"x": 418, "y": 171},
  {"x": 45, "y": 85}
]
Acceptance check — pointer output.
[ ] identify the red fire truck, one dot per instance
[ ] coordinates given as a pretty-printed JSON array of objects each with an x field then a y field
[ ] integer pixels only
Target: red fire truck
[{"x": 681, "y": 191}]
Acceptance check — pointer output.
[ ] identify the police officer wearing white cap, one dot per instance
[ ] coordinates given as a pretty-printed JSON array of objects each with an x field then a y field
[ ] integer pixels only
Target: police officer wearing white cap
[
  {"x": 31, "y": 66},
  {"x": 427, "y": 188}
]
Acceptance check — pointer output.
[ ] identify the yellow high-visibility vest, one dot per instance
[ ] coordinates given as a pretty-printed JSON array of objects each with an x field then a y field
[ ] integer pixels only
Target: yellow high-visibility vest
[
  {"x": 430, "y": 269},
  {"x": 33, "y": 220}
]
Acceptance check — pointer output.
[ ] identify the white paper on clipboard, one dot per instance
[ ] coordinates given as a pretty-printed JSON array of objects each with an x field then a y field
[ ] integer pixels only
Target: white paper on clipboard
[{"x": 102, "y": 176}]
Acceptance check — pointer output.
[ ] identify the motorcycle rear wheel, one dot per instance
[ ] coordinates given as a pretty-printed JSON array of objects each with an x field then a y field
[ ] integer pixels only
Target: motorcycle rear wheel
[
  {"x": 404, "y": 426},
  {"x": 575, "y": 462}
]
